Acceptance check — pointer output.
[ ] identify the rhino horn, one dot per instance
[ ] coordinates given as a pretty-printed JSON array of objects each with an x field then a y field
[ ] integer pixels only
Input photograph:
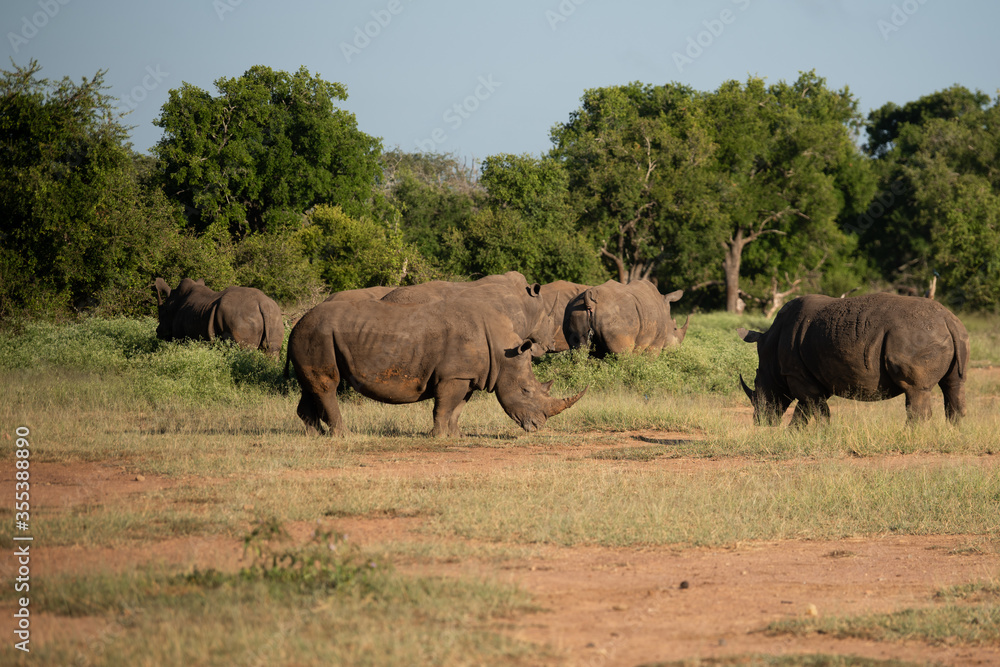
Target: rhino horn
[
  {"x": 557, "y": 405},
  {"x": 682, "y": 331},
  {"x": 749, "y": 392}
]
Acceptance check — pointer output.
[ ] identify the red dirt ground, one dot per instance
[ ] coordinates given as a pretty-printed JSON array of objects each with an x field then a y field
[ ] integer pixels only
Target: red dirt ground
[{"x": 602, "y": 606}]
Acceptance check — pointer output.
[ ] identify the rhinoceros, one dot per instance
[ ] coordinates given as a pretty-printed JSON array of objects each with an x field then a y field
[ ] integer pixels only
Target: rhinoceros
[
  {"x": 243, "y": 314},
  {"x": 403, "y": 353},
  {"x": 623, "y": 318},
  {"x": 361, "y": 294},
  {"x": 556, "y": 296},
  {"x": 510, "y": 293},
  {"x": 867, "y": 348}
]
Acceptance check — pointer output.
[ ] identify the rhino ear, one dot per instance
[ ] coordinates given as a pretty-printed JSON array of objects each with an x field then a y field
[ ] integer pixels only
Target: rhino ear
[
  {"x": 525, "y": 346},
  {"x": 673, "y": 296},
  {"x": 749, "y": 336},
  {"x": 200, "y": 281},
  {"x": 534, "y": 289},
  {"x": 162, "y": 290}
]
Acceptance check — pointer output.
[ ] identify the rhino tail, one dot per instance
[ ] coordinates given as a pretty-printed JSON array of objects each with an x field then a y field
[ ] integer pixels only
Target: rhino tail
[
  {"x": 960, "y": 340},
  {"x": 269, "y": 340}
]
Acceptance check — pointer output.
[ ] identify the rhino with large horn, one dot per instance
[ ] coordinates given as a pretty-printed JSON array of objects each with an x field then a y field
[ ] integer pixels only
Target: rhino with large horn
[
  {"x": 867, "y": 348},
  {"x": 403, "y": 353}
]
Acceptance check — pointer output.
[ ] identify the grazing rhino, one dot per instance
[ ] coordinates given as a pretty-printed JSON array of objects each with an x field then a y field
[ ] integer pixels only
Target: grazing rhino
[
  {"x": 508, "y": 293},
  {"x": 404, "y": 353},
  {"x": 867, "y": 348},
  {"x": 556, "y": 296},
  {"x": 621, "y": 318},
  {"x": 243, "y": 314}
]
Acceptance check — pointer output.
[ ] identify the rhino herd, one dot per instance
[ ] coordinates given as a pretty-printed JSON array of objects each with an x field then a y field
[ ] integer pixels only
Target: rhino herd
[{"x": 446, "y": 340}]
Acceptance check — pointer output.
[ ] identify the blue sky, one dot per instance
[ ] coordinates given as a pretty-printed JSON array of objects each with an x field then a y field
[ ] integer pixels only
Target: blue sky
[{"x": 480, "y": 78}]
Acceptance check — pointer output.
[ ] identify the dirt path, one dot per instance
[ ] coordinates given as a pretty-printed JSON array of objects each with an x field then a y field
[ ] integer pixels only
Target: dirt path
[{"x": 604, "y": 606}]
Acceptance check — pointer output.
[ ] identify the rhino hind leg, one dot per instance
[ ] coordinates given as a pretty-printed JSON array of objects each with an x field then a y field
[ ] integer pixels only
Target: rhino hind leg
[
  {"x": 918, "y": 404},
  {"x": 316, "y": 408},
  {"x": 449, "y": 399},
  {"x": 953, "y": 388},
  {"x": 308, "y": 412}
]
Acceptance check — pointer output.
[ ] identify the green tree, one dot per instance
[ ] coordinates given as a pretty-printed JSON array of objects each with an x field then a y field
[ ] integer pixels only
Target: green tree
[
  {"x": 436, "y": 195},
  {"x": 788, "y": 173},
  {"x": 79, "y": 226},
  {"x": 349, "y": 253},
  {"x": 936, "y": 212},
  {"x": 530, "y": 215},
  {"x": 634, "y": 156},
  {"x": 267, "y": 144},
  {"x": 679, "y": 184}
]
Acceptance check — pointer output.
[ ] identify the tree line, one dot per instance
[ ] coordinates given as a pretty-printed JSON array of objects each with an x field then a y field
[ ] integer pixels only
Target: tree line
[{"x": 743, "y": 196}]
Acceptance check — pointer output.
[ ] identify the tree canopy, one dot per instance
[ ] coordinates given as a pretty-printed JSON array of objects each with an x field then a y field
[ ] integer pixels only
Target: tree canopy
[
  {"x": 269, "y": 143},
  {"x": 743, "y": 195}
]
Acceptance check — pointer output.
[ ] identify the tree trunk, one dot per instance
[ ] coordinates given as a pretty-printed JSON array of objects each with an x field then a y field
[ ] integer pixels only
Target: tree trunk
[{"x": 731, "y": 269}]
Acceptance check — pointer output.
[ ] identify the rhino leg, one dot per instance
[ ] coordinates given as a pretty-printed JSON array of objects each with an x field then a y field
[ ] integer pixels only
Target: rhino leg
[
  {"x": 953, "y": 388},
  {"x": 806, "y": 409},
  {"x": 315, "y": 408},
  {"x": 918, "y": 404},
  {"x": 450, "y": 397},
  {"x": 308, "y": 412}
]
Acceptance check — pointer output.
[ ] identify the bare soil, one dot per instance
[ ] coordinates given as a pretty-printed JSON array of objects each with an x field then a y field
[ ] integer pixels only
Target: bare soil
[{"x": 599, "y": 606}]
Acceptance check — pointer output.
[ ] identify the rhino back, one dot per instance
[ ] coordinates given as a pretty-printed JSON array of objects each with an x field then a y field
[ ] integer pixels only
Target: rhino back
[
  {"x": 861, "y": 346},
  {"x": 396, "y": 352}
]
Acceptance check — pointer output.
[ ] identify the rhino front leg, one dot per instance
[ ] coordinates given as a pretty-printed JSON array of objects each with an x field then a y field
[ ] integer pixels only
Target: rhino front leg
[
  {"x": 806, "y": 409},
  {"x": 449, "y": 398}
]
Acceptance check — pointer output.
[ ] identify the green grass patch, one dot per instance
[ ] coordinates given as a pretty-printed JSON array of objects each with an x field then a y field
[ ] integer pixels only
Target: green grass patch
[
  {"x": 950, "y": 625},
  {"x": 812, "y": 660},
  {"x": 323, "y": 602}
]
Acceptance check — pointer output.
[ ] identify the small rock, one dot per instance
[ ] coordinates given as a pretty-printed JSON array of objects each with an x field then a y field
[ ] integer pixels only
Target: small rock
[
  {"x": 685, "y": 584},
  {"x": 812, "y": 611},
  {"x": 140, "y": 478}
]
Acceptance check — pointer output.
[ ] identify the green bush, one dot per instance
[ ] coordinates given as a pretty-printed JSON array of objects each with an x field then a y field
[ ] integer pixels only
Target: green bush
[
  {"x": 193, "y": 371},
  {"x": 709, "y": 360}
]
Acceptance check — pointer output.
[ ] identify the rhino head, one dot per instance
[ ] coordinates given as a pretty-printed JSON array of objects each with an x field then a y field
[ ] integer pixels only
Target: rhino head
[
  {"x": 168, "y": 302},
  {"x": 522, "y": 396},
  {"x": 769, "y": 399}
]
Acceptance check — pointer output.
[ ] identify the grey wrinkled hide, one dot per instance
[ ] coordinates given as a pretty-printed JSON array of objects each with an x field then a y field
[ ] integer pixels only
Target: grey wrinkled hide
[
  {"x": 243, "y": 314},
  {"x": 867, "y": 348}
]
